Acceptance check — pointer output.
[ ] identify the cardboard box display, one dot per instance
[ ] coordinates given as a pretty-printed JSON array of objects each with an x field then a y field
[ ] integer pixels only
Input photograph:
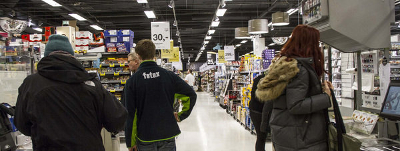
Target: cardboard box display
[
  {"x": 110, "y": 33},
  {"x": 81, "y": 48},
  {"x": 125, "y": 39},
  {"x": 82, "y": 42},
  {"x": 126, "y": 32},
  {"x": 84, "y": 35}
]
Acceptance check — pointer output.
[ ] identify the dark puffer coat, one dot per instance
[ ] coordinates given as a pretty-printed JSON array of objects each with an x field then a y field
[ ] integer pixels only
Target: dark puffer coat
[{"x": 297, "y": 121}]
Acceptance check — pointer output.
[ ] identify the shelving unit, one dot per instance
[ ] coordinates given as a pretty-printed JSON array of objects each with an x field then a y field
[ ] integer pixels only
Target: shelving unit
[{"x": 114, "y": 72}]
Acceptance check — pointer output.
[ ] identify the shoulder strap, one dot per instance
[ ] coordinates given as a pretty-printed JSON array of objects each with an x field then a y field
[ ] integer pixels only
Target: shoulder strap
[{"x": 339, "y": 122}]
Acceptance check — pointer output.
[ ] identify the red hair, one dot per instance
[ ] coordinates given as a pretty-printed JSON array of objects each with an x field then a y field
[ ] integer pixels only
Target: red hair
[{"x": 305, "y": 43}]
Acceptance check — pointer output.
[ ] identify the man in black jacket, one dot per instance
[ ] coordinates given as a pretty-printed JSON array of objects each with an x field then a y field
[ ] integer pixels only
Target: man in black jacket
[
  {"x": 149, "y": 93},
  {"x": 62, "y": 107}
]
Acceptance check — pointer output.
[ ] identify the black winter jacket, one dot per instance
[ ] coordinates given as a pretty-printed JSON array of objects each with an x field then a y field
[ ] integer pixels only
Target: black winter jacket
[
  {"x": 149, "y": 96},
  {"x": 298, "y": 121},
  {"x": 63, "y": 108}
]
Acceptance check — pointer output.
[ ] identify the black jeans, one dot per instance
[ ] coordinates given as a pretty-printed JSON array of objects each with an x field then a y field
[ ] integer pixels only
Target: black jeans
[{"x": 256, "y": 117}]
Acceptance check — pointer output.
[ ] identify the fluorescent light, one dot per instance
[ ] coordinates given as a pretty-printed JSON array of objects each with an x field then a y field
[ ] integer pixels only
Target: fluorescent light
[
  {"x": 208, "y": 37},
  {"x": 37, "y": 29},
  {"x": 221, "y": 12},
  {"x": 141, "y": 1},
  {"x": 150, "y": 14},
  {"x": 215, "y": 24},
  {"x": 78, "y": 17},
  {"x": 272, "y": 44},
  {"x": 206, "y": 42},
  {"x": 210, "y": 32},
  {"x": 243, "y": 41},
  {"x": 238, "y": 45},
  {"x": 96, "y": 27},
  {"x": 269, "y": 24},
  {"x": 292, "y": 11},
  {"x": 52, "y": 3}
]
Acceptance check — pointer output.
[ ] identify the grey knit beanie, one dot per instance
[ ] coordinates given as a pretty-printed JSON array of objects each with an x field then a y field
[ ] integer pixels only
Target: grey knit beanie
[{"x": 57, "y": 43}]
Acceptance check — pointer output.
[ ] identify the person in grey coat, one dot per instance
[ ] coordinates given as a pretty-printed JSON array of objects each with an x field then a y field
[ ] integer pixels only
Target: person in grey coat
[{"x": 293, "y": 84}]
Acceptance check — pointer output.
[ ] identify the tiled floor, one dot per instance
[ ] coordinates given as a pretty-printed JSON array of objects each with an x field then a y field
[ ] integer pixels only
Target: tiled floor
[{"x": 210, "y": 128}]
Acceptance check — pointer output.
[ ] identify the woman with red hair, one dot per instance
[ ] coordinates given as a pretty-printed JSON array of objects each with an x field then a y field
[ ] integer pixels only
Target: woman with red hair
[{"x": 293, "y": 84}]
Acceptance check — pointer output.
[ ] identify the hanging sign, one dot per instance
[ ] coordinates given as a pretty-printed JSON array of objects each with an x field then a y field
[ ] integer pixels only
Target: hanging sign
[
  {"x": 229, "y": 53},
  {"x": 175, "y": 55},
  {"x": 167, "y": 53},
  {"x": 160, "y": 35},
  {"x": 258, "y": 46},
  {"x": 211, "y": 59},
  {"x": 221, "y": 56}
]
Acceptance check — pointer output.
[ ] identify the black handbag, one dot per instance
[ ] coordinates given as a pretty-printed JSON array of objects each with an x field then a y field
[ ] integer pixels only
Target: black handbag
[{"x": 338, "y": 139}]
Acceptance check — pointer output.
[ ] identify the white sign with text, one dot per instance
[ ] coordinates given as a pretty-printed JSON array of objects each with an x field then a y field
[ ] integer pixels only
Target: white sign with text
[
  {"x": 160, "y": 35},
  {"x": 229, "y": 53}
]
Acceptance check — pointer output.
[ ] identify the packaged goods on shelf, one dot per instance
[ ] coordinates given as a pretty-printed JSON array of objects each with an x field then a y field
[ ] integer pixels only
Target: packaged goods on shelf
[
  {"x": 108, "y": 33},
  {"x": 84, "y": 35}
]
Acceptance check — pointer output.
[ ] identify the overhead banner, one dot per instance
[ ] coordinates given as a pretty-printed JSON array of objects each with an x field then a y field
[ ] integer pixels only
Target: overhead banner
[
  {"x": 167, "y": 53},
  {"x": 175, "y": 55},
  {"x": 211, "y": 59},
  {"x": 221, "y": 56},
  {"x": 160, "y": 35},
  {"x": 229, "y": 53}
]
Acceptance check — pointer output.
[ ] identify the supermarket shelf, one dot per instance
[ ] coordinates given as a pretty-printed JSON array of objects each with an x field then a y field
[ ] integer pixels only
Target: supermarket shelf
[
  {"x": 113, "y": 54},
  {"x": 233, "y": 65},
  {"x": 114, "y": 73},
  {"x": 115, "y": 90},
  {"x": 247, "y": 72},
  {"x": 114, "y": 65},
  {"x": 243, "y": 82},
  {"x": 114, "y": 82}
]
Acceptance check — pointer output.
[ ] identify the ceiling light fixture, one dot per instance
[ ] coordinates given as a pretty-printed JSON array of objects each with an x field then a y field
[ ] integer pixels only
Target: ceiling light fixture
[
  {"x": 292, "y": 11},
  {"x": 177, "y": 33},
  {"x": 216, "y": 18},
  {"x": 242, "y": 33},
  {"x": 141, "y": 1},
  {"x": 243, "y": 41},
  {"x": 78, "y": 17},
  {"x": 175, "y": 23},
  {"x": 206, "y": 42},
  {"x": 221, "y": 12},
  {"x": 52, "y": 3},
  {"x": 272, "y": 44},
  {"x": 210, "y": 32},
  {"x": 150, "y": 14},
  {"x": 208, "y": 37},
  {"x": 223, "y": 4},
  {"x": 258, "y": 26},
  {"x": 179, "y": 39},
  {"x": 280, "y": 19},
  {"x": 270, "y": 24},
  {"x": 171, "y": 4},
  {"x": 238, "y": 45},
  {"x": 38, "y": 29},
  {"x": 215, "y": 24},
  {"x": 96, "y": 27}
]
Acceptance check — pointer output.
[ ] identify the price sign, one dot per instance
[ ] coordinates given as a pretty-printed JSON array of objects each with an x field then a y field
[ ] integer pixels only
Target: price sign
[
  {"x": 160, "y": 35},
  {"x": 229, "y": 53},
  {"x": 221, "y": 56},
  {"x": 175, "y": 55}
]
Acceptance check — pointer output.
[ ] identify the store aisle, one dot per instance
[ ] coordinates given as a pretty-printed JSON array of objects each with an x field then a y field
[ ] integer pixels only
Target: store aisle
[{"x": 210, "y": 128}]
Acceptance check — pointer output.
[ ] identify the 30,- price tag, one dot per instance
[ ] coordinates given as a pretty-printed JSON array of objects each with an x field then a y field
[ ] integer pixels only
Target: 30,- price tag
[
  {"x": 112, "y": 65},
  {"x": 122, "y": 65},
  {"x": 103, "y": 74},
  {"x": 116, "y": 73},
  {"x": 160, "y": 34},
  {"x": 123, "y": 81}
]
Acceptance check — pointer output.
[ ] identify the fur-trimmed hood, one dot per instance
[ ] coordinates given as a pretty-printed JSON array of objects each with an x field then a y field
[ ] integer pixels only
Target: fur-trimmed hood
[{"x": 280, "y": 72}]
